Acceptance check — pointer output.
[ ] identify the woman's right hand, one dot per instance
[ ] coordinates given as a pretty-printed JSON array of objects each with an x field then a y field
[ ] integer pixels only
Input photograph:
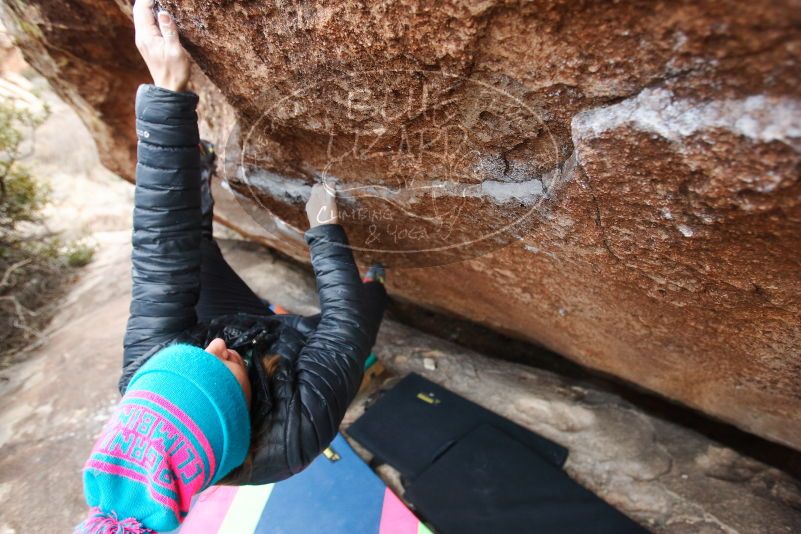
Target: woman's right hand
[
  {"x": 322, "y": 206},
  {"x": 160, "y": 47}
]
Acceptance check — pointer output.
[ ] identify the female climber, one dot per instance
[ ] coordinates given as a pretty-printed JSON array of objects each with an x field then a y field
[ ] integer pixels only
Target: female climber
[{"x": 216, "y": 388}]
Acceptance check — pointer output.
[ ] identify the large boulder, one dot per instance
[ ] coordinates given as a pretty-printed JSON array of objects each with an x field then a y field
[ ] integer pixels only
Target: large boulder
[{"x": 618, "y": 181}]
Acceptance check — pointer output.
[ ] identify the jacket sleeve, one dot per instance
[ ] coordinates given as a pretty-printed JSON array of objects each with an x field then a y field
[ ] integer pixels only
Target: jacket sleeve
[
  {"x": 329, "y": 368},
  {"x": 166, "y": 221}
]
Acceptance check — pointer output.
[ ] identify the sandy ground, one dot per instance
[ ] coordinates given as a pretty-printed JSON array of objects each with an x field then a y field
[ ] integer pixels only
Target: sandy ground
[{"x": 53, "y": 404}]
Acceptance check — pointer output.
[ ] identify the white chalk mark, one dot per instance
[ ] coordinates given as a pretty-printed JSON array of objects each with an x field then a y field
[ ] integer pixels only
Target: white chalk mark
[
  {"x": 758, "y": 117},
  {"x": 276, "y": 185},
  {"x": 298, "y": 190}
]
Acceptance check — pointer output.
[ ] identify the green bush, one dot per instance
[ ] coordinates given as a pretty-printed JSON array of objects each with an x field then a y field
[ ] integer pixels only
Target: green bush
[
  {"x": 34, "y": 263},
  {"x": 21, "y": 197},
  {"x": 78, "y": 254}
]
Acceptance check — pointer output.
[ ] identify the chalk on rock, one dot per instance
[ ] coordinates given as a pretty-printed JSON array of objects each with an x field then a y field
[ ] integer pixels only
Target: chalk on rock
[{"x": 429, "y": 364}]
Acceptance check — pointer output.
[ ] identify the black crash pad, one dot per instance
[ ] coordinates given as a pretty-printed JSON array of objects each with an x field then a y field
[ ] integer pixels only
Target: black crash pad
[
  {"x": 489, "y": 482},
  {"x": 415, "y": 421}
]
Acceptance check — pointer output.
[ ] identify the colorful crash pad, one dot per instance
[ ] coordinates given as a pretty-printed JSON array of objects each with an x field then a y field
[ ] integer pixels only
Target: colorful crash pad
[{"x": 336, "y": 494}]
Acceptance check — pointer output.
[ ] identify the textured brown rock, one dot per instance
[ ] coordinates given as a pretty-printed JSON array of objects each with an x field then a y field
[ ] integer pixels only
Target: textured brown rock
[
  {"x": 83, "y": 49},
  {"x": 618, "y": 181}
]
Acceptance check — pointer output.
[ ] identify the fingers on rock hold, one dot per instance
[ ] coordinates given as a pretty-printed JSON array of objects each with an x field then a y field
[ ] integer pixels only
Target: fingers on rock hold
[{"x": 167, "y": 26}]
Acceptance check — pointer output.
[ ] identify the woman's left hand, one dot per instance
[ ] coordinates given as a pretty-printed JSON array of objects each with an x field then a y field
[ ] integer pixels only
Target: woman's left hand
[
  {"x": 322, "y": 206},
  {"x": 160, "y": 47}
]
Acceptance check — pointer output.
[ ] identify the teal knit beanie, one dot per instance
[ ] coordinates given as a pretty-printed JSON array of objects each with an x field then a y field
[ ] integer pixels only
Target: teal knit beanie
[{"x": 182, "y": 425}]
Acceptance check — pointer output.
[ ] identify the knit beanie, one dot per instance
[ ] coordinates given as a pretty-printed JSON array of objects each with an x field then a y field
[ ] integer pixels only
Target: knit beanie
[{"x": 182, "y": 425}]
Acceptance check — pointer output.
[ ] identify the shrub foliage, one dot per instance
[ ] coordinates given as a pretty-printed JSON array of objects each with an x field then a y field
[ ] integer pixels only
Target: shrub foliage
[{"x": 34, "y": 263}]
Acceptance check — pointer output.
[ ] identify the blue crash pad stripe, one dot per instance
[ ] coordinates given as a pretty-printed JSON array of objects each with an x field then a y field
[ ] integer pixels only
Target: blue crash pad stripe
[{"x": 342, "y": 497}]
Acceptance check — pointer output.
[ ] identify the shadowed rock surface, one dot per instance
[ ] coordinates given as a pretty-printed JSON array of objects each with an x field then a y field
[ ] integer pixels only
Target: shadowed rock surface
[{"x": 620, "y": 182}]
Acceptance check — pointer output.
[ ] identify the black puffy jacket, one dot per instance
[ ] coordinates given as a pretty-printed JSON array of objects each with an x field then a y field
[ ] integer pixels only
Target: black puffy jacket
[{"x": 297, "y": 411}]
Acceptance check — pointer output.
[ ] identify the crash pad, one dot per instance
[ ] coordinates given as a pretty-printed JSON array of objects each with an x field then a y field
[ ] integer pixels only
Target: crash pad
[
  {"x": 336, "y": 494},
  {"x": 412, "y": 423},
  {"x": 489, "y": 482}
]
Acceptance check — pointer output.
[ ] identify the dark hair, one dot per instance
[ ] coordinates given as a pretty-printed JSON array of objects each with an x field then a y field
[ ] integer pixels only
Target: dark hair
[{"x": 240, "y": 475}]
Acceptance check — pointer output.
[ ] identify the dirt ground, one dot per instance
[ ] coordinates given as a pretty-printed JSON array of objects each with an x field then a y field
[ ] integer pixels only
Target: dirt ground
[{"x": 53, "y": 404}]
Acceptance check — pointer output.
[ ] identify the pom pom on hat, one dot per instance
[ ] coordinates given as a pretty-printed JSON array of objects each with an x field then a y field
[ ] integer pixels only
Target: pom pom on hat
[{"x": 99, "y": 522}]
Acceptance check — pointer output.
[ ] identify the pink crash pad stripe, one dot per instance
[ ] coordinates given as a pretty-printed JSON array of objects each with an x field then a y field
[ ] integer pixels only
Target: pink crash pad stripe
[
  {"x": 207, "y": 518},
  {"x": 395, "y": 517}
]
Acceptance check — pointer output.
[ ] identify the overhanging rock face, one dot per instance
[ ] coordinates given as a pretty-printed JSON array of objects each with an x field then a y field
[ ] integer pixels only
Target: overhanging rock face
[{"x": 619, "y": 182}]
